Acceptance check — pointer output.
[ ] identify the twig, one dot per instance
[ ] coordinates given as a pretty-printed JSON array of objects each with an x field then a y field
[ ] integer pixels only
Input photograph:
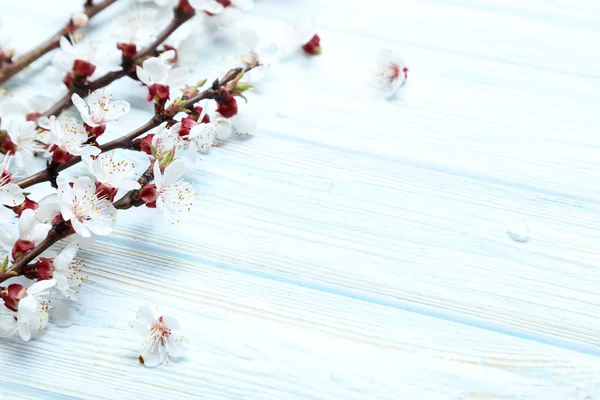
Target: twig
[
  {"x": 10, "y": 69},
  {"x": 83, "y": 90}
]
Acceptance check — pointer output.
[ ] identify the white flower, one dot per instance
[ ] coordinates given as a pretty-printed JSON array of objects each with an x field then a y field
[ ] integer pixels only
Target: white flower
[
  {"x": 29, "y": 230},
  {"x": 88, "y": 213},
  {"x": 242, "y": 123},
  {"x": 298, "y": 33},
  {"x": 173, "y": 195},
  {"x": 11, "y": 194},
  {"x": 138, "y": 27},
  {"x": 23, "y": 103},
  {"x": 32, "y": 312},
  {"x": 166, "y": 139},
  {"x": 389, "y": 73},
  {"x": 118, "y": 174},
  {"x": 70, "y": 136},
  {"x": 257, "y": 52},
  {"x": 158, "y": 71},
  {"x": 203, "y": 136},
  {"x": 84, "y": 50},
  {"x": 24, "y": 137},
  {"x": 99, "y": 108},
  {"x": 67, "y": 273},
  {"x": 161, "y": 341}
]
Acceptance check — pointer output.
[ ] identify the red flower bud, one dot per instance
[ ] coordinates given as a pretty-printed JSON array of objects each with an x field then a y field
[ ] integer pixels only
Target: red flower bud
[
  {"x": 68, "y": 79},
  {"x": 6, "y": 145},
  {"x": 12, "y": 295},
  {"x": 28, "y": 204},
  {"x": 149, "y": 195},
  {"x": 197, "y": 111},
  {"x": 227, "y": 107},
  {"x": 144, "y": 144},
  {"x": 106, "y": 191},
  {"x": 186, "y": 125},
  {"x": 83, "y": 69},
  {"x": 313, "y": 46},
  {"x": 185, "y": 7},
  {"x": 94, "y": 131},
  {"x": 21, "y": 247},
  {"x": 128, "y": 49},
  {"x": 158, "y": 93},
  {"x": 59, "y": 154},
  {"x": 44, "y": 269}
]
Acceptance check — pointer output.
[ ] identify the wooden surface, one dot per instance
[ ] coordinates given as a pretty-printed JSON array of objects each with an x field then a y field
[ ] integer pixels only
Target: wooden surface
[{"x": 357, "y": 248}]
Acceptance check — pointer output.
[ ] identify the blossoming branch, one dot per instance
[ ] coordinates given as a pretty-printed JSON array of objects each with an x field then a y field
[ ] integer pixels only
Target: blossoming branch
[{"x": 190, "y": 115}]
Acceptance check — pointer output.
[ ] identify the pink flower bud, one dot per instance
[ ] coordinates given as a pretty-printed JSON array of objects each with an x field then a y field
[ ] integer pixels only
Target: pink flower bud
[
  {"x": 21, "y": 247},
  {"x": 78, "y": 21},
  {"x": 144, "y": 144},
  {"x": 227, "y": 107},
  {"x": 313, "y": 46},
  {"x": 12, "y": 295}
]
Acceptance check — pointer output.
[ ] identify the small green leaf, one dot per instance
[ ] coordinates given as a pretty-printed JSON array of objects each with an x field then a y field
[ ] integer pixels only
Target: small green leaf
[
  {"x": 4, "y": 264},
  {"x": 26, "y": 194},
  {"x": 243, "y": 86}
]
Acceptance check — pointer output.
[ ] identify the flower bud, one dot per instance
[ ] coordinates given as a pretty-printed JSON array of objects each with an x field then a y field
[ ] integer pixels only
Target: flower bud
[
  {"x": 144, "y": 144},
  {"x": 83, "y": 69},
  {"x": 43, "y": 269},
  {"x": 105, "y": 191},
  {"x": 21, "y": 247},
  {"x": 12, "y": 295},
  {"x": 149, "y": 195},
  {"x": 28, "y": 204},
  {"x": 6, "y": 145},
  {"x": 158, "y": 93},
  {"x": 59, "y": 154},
  {"x": 313, "y": 46},
  {"x": 96, "y": 131},
  {"x": 227, "y": 107},
  {"x": 186, "y": 125},
  {"x": 78, "y": 21},
  {"x": 128, "y": 49}
]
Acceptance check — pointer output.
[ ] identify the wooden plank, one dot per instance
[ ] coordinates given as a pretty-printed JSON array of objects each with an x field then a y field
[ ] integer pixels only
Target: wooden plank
[{"x": 259, "y": 339}]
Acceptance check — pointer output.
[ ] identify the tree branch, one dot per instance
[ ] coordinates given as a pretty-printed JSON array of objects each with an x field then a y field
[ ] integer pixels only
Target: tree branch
[
  {"x": 10, "y": 69},
  {"x": 83, "y": 90}
]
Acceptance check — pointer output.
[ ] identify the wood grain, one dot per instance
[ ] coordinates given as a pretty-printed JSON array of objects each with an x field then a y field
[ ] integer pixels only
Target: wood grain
[{"x": 357, "y": 248}]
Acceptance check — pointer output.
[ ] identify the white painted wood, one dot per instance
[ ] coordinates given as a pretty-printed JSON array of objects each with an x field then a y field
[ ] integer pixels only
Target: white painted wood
[{"x": 357, "y": 248}]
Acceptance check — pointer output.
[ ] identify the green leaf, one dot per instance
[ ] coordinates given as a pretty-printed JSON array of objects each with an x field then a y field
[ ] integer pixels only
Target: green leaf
[
  {"x": 4, "y": 264},
  {"x": 243, "y": 86}
]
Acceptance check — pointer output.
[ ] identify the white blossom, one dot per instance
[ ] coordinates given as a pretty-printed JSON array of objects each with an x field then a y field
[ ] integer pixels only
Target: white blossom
[
  {"x": 112, "y": 172},
  {"x": 32, "y": 311},
  {"x": 99, "y": 108},
  {"x": 158, "y": 71},
  {"x": 173, "y": 195},
  {"x": 67, "y": 273},
  {"x": 29, "y": 230},
  {"x": 85, "y": 50},
  {"x": 11, "y": 194},
  {"x": 256, "y": 52},
  {"x": 161, "y": 339},
  {"x": 70, "y": 136},
  {"x": 24, "y": 136},
  {"x": 389, "y": 74},
  {"x": 166, "y": 139},
  {"x": 87, "y": 213},
  {"x": 137, "y": 27}
]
